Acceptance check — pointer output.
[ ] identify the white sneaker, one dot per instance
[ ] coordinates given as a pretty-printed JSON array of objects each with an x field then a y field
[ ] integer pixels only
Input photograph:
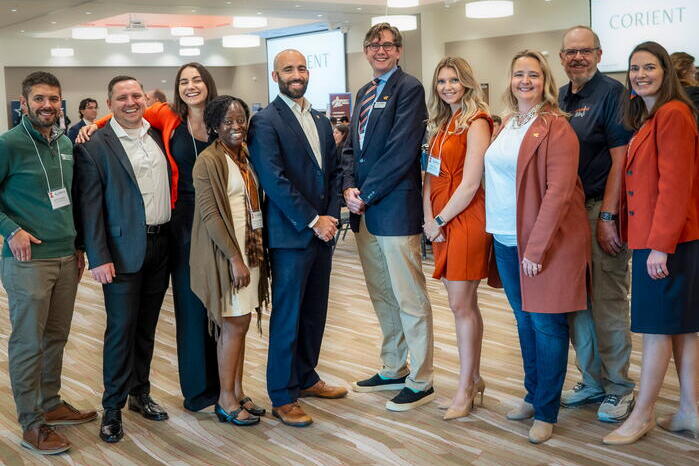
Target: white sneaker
[{"x": 615, "y": 408}]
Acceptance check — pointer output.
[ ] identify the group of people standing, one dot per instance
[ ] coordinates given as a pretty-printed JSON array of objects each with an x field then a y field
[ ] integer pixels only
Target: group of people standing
[{"x": 230, "y": 207}]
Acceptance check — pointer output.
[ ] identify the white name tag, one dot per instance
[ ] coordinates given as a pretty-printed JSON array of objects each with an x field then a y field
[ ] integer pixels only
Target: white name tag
[
  {"x": 67, "y": 156},
  {"x": 256, "y": 219},
  {"x": 379, "y": 104},
  {"x": 59, "y": 198},
  {"x": 433, "y": 165}
]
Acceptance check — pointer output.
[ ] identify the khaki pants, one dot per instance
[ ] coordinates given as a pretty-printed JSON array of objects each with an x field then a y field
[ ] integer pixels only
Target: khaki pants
[
  {"x": 393, "y": 273},
  {"x": 41, "y": 296},
  {"x": 601, "y": 335}
]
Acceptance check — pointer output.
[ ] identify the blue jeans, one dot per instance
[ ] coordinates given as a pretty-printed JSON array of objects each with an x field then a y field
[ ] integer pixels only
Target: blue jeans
[{"x": 543, "y": 339}]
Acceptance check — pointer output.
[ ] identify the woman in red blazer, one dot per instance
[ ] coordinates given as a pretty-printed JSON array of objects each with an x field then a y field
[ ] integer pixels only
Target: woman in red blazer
[
  {"x": 535, "y": 211},
  {"x": 660, "y": 221}
]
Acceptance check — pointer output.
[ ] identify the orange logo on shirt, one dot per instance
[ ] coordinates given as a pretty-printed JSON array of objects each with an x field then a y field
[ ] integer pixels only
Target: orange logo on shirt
[{"x": 580, "y": 112}]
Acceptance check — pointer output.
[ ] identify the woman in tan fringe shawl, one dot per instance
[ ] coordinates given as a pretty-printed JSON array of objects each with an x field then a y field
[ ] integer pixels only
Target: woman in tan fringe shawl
[{"x": 228, "y": 263}]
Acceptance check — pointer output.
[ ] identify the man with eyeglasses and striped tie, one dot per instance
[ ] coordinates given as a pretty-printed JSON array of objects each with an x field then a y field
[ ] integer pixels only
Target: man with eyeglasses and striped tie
[{"x": 382, "y": 189}]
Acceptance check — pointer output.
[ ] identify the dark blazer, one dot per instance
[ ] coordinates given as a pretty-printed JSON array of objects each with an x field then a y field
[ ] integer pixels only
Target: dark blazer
[
  {"x": 111, "y": 213},
  {"x": 387, "y": 169},
  {"x": 74, "y": 130},
  {"x": 296, "y": 188}
]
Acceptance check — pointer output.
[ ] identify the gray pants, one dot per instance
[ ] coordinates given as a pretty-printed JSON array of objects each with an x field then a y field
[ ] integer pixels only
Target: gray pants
[
  {"x": 41, "y": 297},
  {"x": 601, "y": 335}
]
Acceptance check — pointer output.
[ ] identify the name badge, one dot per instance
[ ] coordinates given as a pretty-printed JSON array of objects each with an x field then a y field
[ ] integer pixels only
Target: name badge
[
  {"x": 59, "y": 198},
  {"x": 379, "y": 104},
  {"x": 433, "y": 165},
  {"x": 67, "y": 156},
  {"x": 256, "y": 219}
]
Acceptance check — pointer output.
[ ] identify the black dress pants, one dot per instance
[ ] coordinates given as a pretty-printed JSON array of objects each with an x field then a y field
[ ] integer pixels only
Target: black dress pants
[{"x": 133, "y": 302}]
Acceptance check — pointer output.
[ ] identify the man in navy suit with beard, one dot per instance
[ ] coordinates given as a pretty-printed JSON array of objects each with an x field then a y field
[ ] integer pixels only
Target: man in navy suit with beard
[{"x": 293, "y": 152}]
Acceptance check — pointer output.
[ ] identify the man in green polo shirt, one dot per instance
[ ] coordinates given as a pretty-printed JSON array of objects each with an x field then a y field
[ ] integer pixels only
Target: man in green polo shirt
[{"x": 40, "y": 266}]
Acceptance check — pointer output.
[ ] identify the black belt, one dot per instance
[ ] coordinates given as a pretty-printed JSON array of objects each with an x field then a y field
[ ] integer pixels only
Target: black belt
[
  {"x": 598, "y": 198},
  {"x": 156, "y": 229}
]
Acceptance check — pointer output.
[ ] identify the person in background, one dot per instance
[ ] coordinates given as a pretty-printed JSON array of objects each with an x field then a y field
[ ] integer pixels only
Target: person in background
[
  {"x": 88, "y": 112},
  {"x": 382, "y": 187},
  {"x": 600, "y": 334},
  {"x": 185, "y": 136},
  {"x": 294, "y": 156},
  {"x": 40, "y": 266},
  {"x": 660, "y": 221},
  {"x": 534, "y": 209},
  {"x": 340, "y": 132},
  {"x": 227, "y": 258},
  {"x": 155, "y": 96},
  {"x": 454, "y": 210},
  {"x": 686, "y": 72},
  {"x": 497, "y": 123}
]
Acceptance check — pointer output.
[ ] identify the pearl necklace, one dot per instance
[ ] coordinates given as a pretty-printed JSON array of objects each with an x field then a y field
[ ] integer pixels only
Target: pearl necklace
[{"x": 521, "y": 119}]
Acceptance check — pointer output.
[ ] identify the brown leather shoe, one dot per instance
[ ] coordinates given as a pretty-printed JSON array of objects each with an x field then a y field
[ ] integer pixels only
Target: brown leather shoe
[
  {"x": 66, "y": 415},
  {"x": 292, "y": 414},
  {"x": 42, "y": 439},
  {"x": 322, "y": 390}
]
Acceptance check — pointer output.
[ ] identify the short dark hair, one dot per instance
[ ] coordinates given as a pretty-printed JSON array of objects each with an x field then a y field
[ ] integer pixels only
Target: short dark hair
[
  {"x": 178, "y": 104},
  {"x": 39, "y": 77},
  {"x": 117, "y": 79},
  {"x": 84, "y": 103},
  {"x": 159, "y": 96},
  {"x": 634, "y": 111},
  {"x": 375, "y": 33},
  {"x": 216, "y": 110},
  {"x": 496, "y": 119}
]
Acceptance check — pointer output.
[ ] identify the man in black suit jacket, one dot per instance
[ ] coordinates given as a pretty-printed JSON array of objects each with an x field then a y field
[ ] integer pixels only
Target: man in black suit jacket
[
  {"x": 382, "y": 189},
  {"x": 293, "y": 152},
  {"x": 88, "y": 113},
  {"x": 123, "y": 192}
]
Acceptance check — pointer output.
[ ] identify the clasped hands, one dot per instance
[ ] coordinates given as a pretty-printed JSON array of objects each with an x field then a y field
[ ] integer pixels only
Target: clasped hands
[
  {"x": 353, "y": 201},
  {"x": 433, "y": 232},
  {"x": 326, "y": 227}
]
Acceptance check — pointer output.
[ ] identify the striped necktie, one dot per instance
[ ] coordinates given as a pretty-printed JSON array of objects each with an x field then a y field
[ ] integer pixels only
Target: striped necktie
[{"x": 367, "y": 102}]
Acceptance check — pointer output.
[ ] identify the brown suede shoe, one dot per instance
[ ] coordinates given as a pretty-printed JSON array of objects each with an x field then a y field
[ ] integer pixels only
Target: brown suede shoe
[
  {"x": 66, "y": 415},
  {"x": 292, "y": 414},
  {"x": 322, "y": 390},
  {"x": 42, "y": 439}
]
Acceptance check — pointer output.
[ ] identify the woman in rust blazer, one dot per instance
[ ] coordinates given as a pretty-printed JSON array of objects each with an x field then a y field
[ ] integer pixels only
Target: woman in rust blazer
[
  {"x": 660, "y": 221},
  {"x": 535, "y": 211}
]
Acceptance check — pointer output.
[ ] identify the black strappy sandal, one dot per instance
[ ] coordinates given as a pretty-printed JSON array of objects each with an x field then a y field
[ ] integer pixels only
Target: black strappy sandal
[
  {"x": 255, "y": 410},
  {"x": 232, "y": 417}
]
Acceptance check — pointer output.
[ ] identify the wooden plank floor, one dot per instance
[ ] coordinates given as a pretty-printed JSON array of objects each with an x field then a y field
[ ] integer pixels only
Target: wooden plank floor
[{"x": 356, "y": 430}]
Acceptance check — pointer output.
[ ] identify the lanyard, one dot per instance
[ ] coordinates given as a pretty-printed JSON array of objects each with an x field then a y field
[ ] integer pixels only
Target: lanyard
[
  {"x": 194, "y": 142},
  {"x": 445, "y": 136},
  {"x": 36, "y": 149}
]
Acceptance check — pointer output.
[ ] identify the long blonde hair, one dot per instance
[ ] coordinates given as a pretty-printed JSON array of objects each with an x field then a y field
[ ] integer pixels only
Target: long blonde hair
[
  {"x": 472, "y": 102},
  {"x": 550, "y": 99}
]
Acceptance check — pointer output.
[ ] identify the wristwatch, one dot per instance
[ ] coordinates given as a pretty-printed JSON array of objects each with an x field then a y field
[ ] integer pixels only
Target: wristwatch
[
  {"x": 439, "y": 221},
  {"x": 608, "y": 216}
]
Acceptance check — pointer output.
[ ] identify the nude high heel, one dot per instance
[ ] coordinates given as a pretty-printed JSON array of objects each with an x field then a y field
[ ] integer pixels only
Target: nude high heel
[{"x": 455, "y": 412}]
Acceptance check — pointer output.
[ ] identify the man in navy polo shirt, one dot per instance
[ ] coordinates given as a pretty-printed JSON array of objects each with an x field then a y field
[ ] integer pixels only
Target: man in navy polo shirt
[{"x": 600, "y": 335}]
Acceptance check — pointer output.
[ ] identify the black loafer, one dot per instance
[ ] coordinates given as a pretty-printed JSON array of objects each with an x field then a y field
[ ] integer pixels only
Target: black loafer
[
  {"x": 148, "y": 408},
  {"x": 111, "y": 430}
]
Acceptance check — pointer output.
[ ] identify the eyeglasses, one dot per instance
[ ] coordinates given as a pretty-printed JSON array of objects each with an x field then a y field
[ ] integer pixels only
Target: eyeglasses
[
  {"x": 386, "y": 46},
  {"x": 571, "y": 53}
]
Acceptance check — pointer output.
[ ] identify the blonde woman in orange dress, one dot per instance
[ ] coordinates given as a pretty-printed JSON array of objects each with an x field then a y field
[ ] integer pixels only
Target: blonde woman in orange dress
[{"x": 454, "y": 207}]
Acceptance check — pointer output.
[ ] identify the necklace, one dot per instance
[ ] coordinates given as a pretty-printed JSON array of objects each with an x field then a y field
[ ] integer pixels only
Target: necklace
[{"x": 521, "y": 119}]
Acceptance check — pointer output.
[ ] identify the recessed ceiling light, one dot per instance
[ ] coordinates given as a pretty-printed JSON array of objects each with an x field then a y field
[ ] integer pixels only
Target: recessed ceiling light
[
  {"x": 319, "y": 15},
  {"x": 240, "y": 41},
  {"x": 249, "y": 21},
  {"x": 21, "y": 30},
  {"x": 182, "y": 31},
  {"x": 297, "y": 6},
  {"x": 14, "y": 10},
  {"x": 228, "y": 3},
  {"x": 489, "y": 9},
  {"x": 402, "y": 3},
  {"x": 147, "y": 47},
  {"x": 193, "y": 52},
  {"x": 53, "y": 22},
  {"x": 259, "y": 12},
  {"x": 117, "y": 39},
  {"x": 90, "y": 33},
  {"x": 191, "y": 41},
  {"x": 359, "y": 8},
  {"x": 194, "y": 11},
  {"x": 88, "y": 12},
  {"x": 62, "y": 52}
]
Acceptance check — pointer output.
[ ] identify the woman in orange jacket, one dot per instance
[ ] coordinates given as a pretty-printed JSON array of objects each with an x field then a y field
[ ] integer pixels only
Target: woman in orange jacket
[
  {"x": 660, "y": 220},
  {"x": 535, "y": 211}
]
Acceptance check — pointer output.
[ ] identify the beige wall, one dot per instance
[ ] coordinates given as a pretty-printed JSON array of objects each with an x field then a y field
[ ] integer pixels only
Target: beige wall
[{"x": 490, "y": 59}]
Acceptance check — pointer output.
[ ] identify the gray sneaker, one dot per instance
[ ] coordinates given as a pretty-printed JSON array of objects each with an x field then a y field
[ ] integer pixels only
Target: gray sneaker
[
  {"x": 581, "y": 395},
  {"x": 615, "y": 408}
]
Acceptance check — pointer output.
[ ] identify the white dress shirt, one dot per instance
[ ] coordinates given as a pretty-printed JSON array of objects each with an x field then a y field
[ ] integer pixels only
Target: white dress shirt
[
  {"x": 305, "y": 119},
  {"x": 150, "y": 167}
]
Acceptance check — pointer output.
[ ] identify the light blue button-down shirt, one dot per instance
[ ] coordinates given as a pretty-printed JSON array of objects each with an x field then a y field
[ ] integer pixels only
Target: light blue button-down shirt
[{"x": 383, "y": 79}]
